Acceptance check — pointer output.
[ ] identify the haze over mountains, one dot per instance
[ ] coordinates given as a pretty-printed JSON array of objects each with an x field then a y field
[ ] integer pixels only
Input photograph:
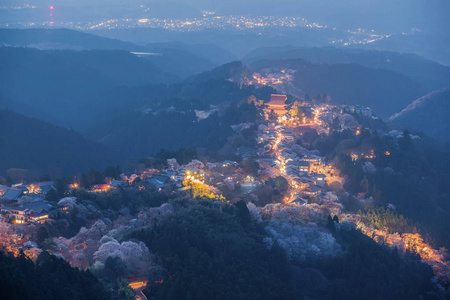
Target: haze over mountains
[
  {"x": 182, "y": 59},
  {"x": 380, "y": 15},
  {"x": 415, "y": 26},
  {"x": 98, "y": 87}
]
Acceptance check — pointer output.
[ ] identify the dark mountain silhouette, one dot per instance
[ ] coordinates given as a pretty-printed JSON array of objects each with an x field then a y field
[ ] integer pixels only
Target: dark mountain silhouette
[
  {"x": 29, "y": 143},
  {"x": 428, "y": 114},
  {"x": 62, "y": 39},
  {"x": 233, "y": 70},
  {"x": 181, "y": 60},
  {"x": 64, "y": 86}
]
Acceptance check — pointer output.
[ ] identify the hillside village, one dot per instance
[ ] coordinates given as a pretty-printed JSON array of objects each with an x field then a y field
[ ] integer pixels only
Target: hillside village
[
  {"x": 282, "y": 160},
  {"x": 223, "y": 150},
  {"x": 276, "y": 154}
]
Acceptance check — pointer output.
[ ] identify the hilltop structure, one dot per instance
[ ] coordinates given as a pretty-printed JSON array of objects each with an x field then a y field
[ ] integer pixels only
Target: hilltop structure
[{"x": 277, "y": 103}]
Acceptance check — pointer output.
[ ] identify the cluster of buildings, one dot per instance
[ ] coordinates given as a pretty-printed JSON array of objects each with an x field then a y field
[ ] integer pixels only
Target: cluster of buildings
[
  {"x": 215, "y": 174},
  {"x": 208, "y": 21},
  {"x": 302, "y": 173},
  {"x": 16, "y": 191},
  {"x": 273, "y": 78},
  {"x": 25, "y": 203},
  {"x": 15, "y": 241},
  {"x": 177, "y": 178},
  {"x": 306, "y": 173},
  {"x": 358, "y": 109}
]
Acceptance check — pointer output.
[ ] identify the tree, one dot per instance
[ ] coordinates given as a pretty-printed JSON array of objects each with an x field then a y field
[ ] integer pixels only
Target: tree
[
  {"x": 330, "y": 224},
  {"x": 112, "y": 172},
  {"x": 250, "y": 167},
  {"x": 296, "y": 111},
  {"x": 281, "y": 183},
  {"x": 116, "y": 265},
  {"x": 273, "y": 117},
  {"x": 52, "y": 195},
  {"x": 60, "y": 186},
  {"x": 242, "y": 213},
  {"x": 42, "y": 234}
]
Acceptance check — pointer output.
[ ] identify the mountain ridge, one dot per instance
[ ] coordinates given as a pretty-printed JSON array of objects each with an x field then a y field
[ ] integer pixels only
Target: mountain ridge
[{"x": 427, "y": 114}]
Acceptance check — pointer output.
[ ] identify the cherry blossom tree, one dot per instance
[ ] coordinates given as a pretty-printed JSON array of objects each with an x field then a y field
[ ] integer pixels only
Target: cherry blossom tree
[{"x": 301, "y": 242}]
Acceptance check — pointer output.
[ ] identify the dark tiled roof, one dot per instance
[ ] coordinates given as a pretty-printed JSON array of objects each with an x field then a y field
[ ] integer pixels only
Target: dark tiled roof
[{"x": 11, "y": 194}]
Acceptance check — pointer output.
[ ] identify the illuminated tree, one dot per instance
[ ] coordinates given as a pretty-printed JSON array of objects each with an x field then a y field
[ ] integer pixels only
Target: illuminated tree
[
  {"x": 302, "y": 242},
  {"x": 204, "y": 190},
  {"x": 136, "y": 256},
  {"x": 173, "y": 164},
  {"x": 296, "y": 111}
]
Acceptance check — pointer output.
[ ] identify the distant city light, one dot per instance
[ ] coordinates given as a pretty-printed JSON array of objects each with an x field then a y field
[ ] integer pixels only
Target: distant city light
[{"x": 51, "y": 7}]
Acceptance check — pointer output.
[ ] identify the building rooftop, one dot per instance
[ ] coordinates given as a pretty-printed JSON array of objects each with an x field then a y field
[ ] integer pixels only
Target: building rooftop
[
  {"x": 11, "y": 194},
  {"x": 277, "y": 99}
]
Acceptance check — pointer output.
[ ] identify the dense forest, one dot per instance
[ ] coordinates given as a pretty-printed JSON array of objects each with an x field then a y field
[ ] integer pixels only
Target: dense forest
[
  {"x": 217, "y": 252},
  {"x": 149, "y": 118},
  {"x": 48, "y": 278}
]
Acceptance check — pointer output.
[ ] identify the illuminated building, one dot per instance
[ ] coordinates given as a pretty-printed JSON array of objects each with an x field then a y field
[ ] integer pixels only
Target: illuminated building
[
  {"x": 100, "y": 188},
  {"x": 277, "y": 103},
  {"x": 30, "y": 212}
]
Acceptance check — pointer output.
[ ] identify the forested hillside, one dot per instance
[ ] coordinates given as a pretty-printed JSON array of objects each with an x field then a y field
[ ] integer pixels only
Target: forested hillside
[
  {"x": 33, "y": 144},
  {"x": 428, "y": 114}
]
